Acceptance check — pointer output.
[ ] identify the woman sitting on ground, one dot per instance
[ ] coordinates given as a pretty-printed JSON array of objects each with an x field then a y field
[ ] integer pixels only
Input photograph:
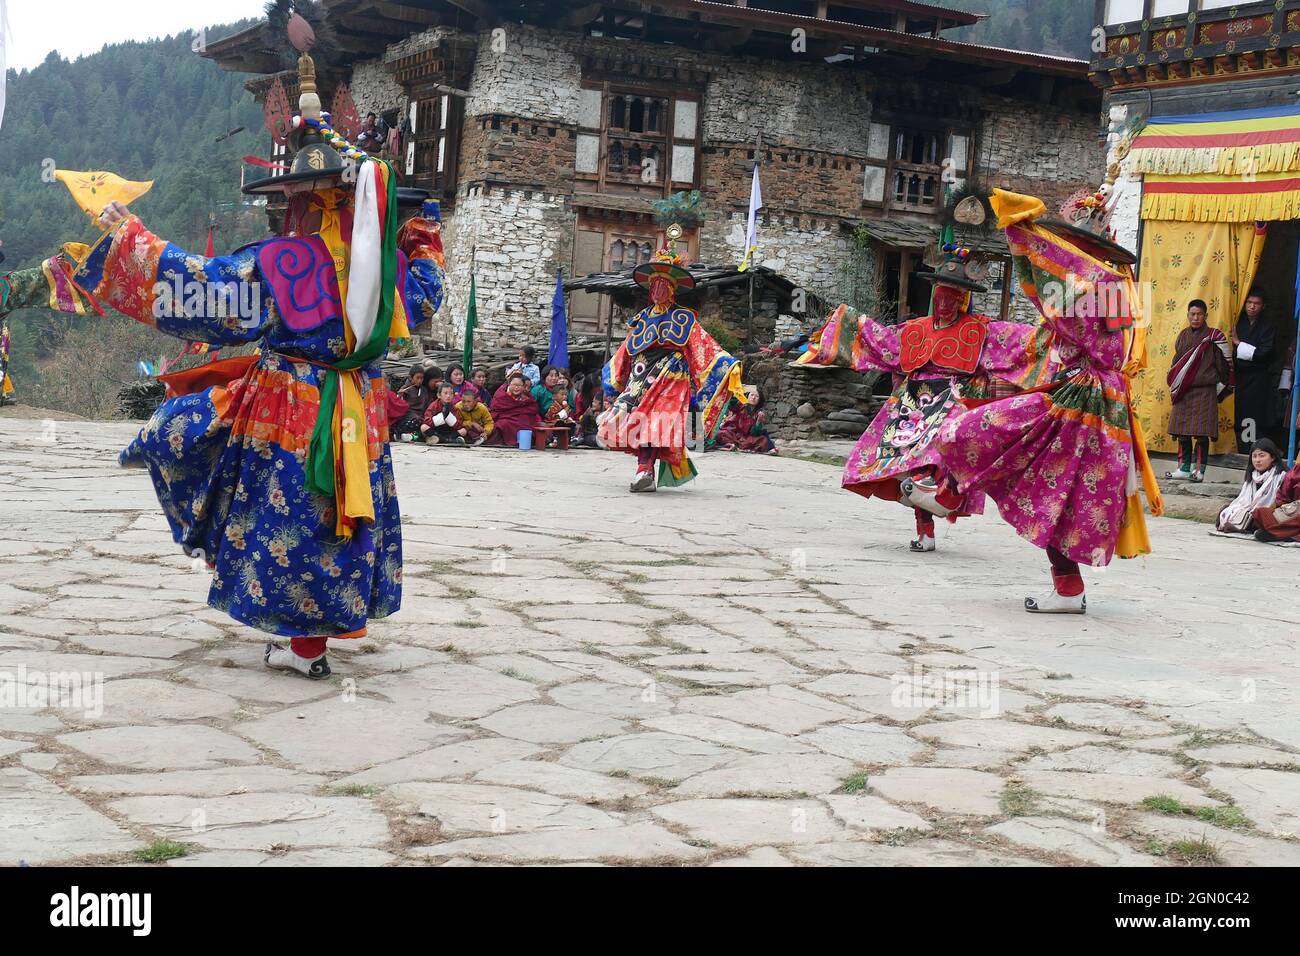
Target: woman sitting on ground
[
  {"x": 744, "y": 429},
  {"x": 456, "y": 376},
  {"x": 513, "y": 410},
  {"x": 1280, "y": 521},
  {"x": 1264, "y": 476}
]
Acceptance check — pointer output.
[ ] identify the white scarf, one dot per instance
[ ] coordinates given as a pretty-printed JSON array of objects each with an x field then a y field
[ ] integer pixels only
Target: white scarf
[
  {"x": 366, "y": 259},
  {"x": 1257, "y": 491}
]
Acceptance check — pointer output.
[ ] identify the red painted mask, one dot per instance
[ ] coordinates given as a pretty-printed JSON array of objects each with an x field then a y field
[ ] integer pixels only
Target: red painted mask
[
  {"x": 661, "y": 291},
  {"x": 948, "y": 302}
]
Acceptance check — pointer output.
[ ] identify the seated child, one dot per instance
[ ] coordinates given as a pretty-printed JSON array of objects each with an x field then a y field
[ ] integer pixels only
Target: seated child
[
  {"x": 480, "y": 382},
  {"x": 417, "y": 398},
  {"x": 589, "y": 424},
  {"x": 439, "y": 426},
  {"x": 527, "y": 365},
  {"x": 1264, "y": 476},
  {"x": 560, "y": 414},
  {"x": 473, "y": 420}
]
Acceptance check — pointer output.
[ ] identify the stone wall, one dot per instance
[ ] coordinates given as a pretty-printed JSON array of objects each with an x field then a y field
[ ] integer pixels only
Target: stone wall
[
  {"x": 513, "y": 238},
  {"x": 375, "y": 91},
  {"x": 804, "y": 403},
  {"x": 1039, "y": 150}
]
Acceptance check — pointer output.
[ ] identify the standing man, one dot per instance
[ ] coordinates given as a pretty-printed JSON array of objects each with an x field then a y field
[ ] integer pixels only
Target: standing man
[
  {"x": 1198, "y": 380},
  {"x": 1252, "y": 342}
]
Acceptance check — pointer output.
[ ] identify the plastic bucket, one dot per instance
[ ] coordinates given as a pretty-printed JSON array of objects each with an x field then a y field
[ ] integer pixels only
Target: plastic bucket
[{"x": 525, "y": 440}]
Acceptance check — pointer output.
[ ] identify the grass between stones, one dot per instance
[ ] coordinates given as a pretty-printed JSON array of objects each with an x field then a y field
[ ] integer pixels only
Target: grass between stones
[
  {"x": 1185, "y": 851},
  {"x": 1228, "y": 817},
  {"x": 856, "y": 783},
  {"x": 818, "y": 459},
  {"x": 352, "y": 790},
  {"x": 160, "y": 851},
  {"x": 1017, "y": 800}
]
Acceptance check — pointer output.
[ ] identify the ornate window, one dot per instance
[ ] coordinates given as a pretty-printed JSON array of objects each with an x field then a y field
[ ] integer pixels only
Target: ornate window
[
  {"x": 637, "y": 141},
  {"x": 432, "y": 147},
  {"x": 906, "y": 166}
]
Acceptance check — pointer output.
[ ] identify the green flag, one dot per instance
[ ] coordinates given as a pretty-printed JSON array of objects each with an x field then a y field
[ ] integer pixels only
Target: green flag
[{"x": 471, "y": 320}]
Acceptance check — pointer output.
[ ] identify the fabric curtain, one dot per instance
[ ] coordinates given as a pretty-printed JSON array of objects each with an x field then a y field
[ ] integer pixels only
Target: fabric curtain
[{"x": 1182, "y": 261}]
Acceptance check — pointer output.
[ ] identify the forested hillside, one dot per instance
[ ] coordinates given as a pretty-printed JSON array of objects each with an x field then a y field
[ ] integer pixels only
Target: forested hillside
[
  {"x": 144, "y": 110},
  {"x": 1061, "y": 27}
]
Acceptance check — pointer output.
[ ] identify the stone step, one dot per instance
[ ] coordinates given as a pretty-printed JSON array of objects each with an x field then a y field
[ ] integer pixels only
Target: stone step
[
  {"x": 849, "y": 415},
  {"x": 831, "y": 427}
]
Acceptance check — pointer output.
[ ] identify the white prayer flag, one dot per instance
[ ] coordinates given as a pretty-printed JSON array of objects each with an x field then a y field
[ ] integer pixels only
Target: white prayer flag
[{"x": 751, "y": 233}]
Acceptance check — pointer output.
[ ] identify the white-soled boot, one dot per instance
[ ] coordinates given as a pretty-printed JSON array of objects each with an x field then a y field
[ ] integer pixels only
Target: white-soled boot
[
  {"x": 1067, "y": 597},
  {"x": 283, "y": 658}
]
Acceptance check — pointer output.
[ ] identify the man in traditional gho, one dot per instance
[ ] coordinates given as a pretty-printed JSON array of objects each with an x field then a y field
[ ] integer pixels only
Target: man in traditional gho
[
  {"x": 1062, "y": 463},
  {"x": 935, "y": 360},
  {"x": 1199, "y": 379},
  {"x": 667, "y": 367},
  {"x": 275, "y": 468}
]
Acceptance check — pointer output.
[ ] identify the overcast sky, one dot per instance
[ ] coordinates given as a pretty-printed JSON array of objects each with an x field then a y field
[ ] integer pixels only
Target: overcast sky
[{"x": 78, "y": 27}]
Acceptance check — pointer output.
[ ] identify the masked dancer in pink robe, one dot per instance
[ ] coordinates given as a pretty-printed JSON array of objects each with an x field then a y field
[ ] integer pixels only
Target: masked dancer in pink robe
[
  {"x": 1062, "y": 464},
  {"x": 934, "y": 360}
]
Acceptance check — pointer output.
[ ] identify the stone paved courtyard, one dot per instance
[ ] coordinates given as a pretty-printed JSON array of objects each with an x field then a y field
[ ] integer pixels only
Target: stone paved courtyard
[{"x": 735, "y": 674}]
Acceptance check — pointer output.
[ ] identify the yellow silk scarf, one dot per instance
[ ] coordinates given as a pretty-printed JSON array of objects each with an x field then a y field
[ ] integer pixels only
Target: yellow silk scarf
[{"x": 352, "y": 471}]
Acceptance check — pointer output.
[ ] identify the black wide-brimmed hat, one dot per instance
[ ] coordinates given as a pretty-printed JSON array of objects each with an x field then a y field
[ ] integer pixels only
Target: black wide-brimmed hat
[
  {"x": 412, "y": 196},
  {"x": 954, "y": 272},
  {"x": 1095, "y": 244}
]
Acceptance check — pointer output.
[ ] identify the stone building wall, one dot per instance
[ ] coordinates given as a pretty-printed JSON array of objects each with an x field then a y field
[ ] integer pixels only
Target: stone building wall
[
  {"x": 375, "y": 91},
  {"x": 512, "y": 238},
  {"x": 1039, "y": 150}
]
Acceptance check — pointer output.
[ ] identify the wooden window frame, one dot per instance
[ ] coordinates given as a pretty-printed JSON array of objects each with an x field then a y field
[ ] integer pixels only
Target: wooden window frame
[
  {"x": 606, "y": 182},
  {"x": 439, "y": 118},
  {"x": 892, "y": 165}
]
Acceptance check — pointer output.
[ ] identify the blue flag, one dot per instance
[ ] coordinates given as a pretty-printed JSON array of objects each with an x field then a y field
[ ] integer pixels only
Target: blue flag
[{"x": 559, "y": 354}]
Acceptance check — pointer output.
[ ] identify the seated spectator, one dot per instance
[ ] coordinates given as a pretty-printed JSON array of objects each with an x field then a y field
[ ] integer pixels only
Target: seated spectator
[
  {"x": 479, "y": 378},
  {"x": 545, "y": 390},
  {"x": 561, "y": 414},
  {"x": 1264, "y": 475},
  {"x": 1280, "y": 521},
  {"x": 589, "y": 424},
  {"x": 513, "y": 410},
  {"x": 440, "y": 425},
  {"x": 373, "y": 135},
  {"x": 526, "y": 365},
  {"x": 399, "y": 414},
  {"x": 744, "y": 429},
  {"x": 432, "y": 377},
  {"x": 456, "y": 376},
  {"x": 417, "y": 398},
  {"x": 586, "y": 386},
  {"x": 473, "y": 420}
]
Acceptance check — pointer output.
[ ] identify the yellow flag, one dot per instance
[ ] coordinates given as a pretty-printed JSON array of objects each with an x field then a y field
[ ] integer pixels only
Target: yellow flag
[{"x": 93, "y": 191}]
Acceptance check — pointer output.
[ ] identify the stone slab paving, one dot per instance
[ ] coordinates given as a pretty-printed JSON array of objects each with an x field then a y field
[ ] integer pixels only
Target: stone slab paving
[{"x": 705, "y": 677}]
